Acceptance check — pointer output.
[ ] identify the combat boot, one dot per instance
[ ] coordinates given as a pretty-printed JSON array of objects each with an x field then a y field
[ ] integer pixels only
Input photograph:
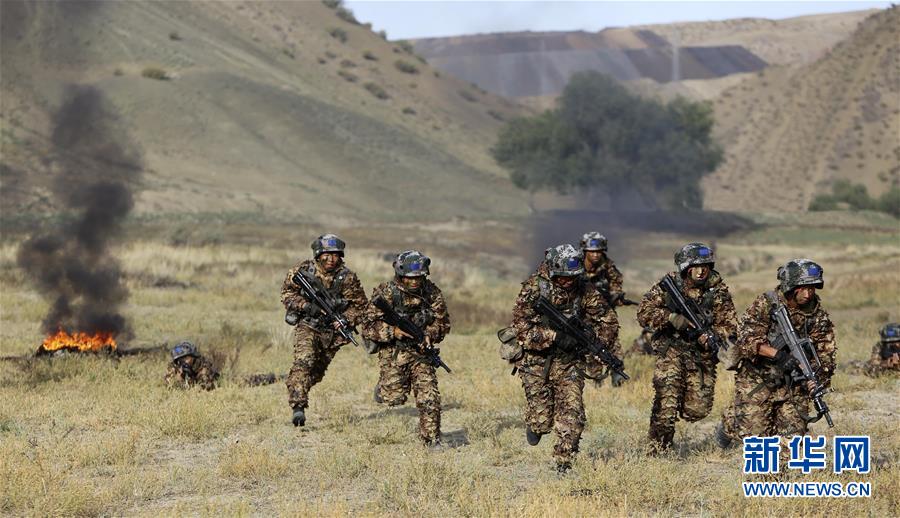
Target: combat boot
[
  {"x": 533, "y": 438},
  {"x": 434, "y": 444},
  {"x": 299, "y": 418},
  {"x": 563, "y": 467},
  {"x": 722, "y": 438}
]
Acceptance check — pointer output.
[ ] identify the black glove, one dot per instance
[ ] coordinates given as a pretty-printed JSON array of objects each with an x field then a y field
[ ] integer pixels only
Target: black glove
[
  {"x": 785, "y": 360},
  {"x": 565, "y": 342},
  {"x": 617, "y": 379}
]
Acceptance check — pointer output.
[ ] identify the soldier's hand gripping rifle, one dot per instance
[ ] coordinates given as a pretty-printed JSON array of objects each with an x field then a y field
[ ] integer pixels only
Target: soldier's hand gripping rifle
[
  {"x": 575, "y": 329},
  {"x": 392, "y": 318},
  {"x": 800, "y": 368},
  {"x": 619, "y": 299},
  {"x": 323, "y": 301},
  {"x": 889, "y": 349},
  {"x": 699, "y": 320}
]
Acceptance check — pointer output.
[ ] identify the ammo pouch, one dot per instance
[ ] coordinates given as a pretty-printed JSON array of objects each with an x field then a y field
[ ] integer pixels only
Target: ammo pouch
[{"x": 510, "y": 350}]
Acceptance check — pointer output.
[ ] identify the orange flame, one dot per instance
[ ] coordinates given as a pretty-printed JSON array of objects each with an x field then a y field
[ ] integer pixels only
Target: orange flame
[{"x": 78, "y": 341}]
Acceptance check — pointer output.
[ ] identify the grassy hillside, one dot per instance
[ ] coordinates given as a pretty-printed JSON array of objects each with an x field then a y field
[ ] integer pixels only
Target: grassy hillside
[
  {"x": 789, "y": 133},
  {"x": 282, "y": 108}
]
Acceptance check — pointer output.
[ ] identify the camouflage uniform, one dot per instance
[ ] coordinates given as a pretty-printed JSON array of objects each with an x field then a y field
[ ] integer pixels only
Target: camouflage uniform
[
  {"x": 315, "y": 342},
  {"x": 765, "y": 403},
  {"x": 685, "y": 374},
  {"x": 202, "y": 374},
  {"x": 402, "y": 365},
  {"x": 553, "y": 379},
  {"x": 884, "y": 353}
]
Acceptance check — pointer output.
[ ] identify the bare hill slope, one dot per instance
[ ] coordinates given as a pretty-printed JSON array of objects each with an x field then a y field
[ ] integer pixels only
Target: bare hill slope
[
  {"x": 276, "y": 107},
  {"x": 789, "y": 133}
]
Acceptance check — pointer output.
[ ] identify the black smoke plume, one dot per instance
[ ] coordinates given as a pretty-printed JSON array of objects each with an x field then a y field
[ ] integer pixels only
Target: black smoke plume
[{"x": 96, "y": 170}]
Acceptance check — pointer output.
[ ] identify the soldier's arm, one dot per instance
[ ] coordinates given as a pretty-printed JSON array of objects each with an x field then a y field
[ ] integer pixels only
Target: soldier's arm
[
  {"x": 173, "y": 377},
  {"x": 373, "y": 327},
  {"x": 438, "y": 328},
  {"x": 615, "y": 279},
  {"x": 291, "y": 295},
  {"x": 206, "y": 375},
  {"x": 352, "y": 291},
  {"x": 724, "y": 316},
  {"x": 530, "y": 332},
  {"x": 652, "y": 311},
  {"x": 753, "y": 328},
  {"x": 603, "y": 320},
  {"x": 822, "y": 336}
]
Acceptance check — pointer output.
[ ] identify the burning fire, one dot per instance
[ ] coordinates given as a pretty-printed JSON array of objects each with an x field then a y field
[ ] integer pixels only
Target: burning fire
[{"x": 81, "y": 342}]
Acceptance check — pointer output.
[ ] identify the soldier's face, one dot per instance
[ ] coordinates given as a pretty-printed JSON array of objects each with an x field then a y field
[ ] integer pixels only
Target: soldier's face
[
  {"x": 698, "y": 273},
  {"x": 564, "y": 282},
  {"x": 804, "y": 294},
  {"x": 592, "y": 257},
  {"x": 412, "y": 283},
  {"x": 329, "y": 260},
  {"x": 188, "y": 361}
]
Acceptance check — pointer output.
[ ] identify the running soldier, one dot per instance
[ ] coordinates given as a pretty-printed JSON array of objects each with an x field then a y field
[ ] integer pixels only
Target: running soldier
[
  {"x": 685, "y": 374},
  {"x": 316, "y": 340},
  {"x": 767, "y": 402},
  {"x": 189, "y": 368},
  {"x": 404, "y": 363},
  {"x": 551, "y": 367}
]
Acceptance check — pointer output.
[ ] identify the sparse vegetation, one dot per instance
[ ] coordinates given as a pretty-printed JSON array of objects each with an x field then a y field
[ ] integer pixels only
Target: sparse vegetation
[
  {"x": 406, "y": 67},
  {"x": 155, "y": 73},
  {"x": 409, "y": 111},
  {"x": 370, "y": 56},
  {"x": 338, "y": 34},
  {"x": 348, "y": 76},
  {"x": 346, "y": 14},
  {"x": 288, "y": 52},
  {"x": 405, "y": 46},
  {"x": 496, "y": 115},
  {"x": 118, "y": 72},
  {"x": 847, "y": 195},
  {"x": 376, "y": 90},
  {"x": 467, "y": 95},
  {"x": 346, "y": 63}
]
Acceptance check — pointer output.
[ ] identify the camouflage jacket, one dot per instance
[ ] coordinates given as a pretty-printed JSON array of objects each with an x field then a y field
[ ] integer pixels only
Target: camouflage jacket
[
  {"x": 350, "y": 294},
  {"x": 714, "y": 297},
  {"x": 203, "y": 375},
  {"x": 426, "y": 309},
  {"x": 878, "y": 365},
  {"x": 535, "y": 335},
  {"x": 607, "y": 279},
  {"x": 757, "y": 324}
]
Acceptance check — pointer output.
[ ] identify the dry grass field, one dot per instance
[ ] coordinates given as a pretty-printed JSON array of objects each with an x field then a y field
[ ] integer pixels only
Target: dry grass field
[{"x": 84, "y": 435}]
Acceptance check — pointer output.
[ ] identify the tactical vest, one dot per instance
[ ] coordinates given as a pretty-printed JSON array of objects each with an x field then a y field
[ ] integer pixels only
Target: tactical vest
[
  {"x": 600, "y": 280},
  {"x": 334, "y": 291},
  {"x": 421, "y": 314},
  {"x": 706, "y": 303},
  {"x": 771, "y": 334},
  {"x": 572, "y": 308}
]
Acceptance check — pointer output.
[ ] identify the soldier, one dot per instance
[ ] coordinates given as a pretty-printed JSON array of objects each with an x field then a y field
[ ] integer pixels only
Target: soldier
[
  {"x": 685, "y": 375},
  {"x": 188, "y": 369},
  {"x": 886, "y": 353},
  {"x": 405, "y": 364},
  {"x": 766, "y": 400},
  {"x": 600, "y": 270},
  {"x": 315, "y": 340},
  {"x": 551, "y": 369}
]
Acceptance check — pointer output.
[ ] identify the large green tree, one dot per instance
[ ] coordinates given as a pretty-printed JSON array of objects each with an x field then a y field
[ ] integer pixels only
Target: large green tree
[{"x": 602, "y": 136}]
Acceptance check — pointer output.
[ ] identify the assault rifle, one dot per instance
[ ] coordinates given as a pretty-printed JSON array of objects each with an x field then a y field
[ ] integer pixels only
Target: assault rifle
[
  {"x": 700, "y": 320},
  {"x": 322, "y": 300},
  {"x": 800, "y": 369},
  {"x": 574, "y": 328},
  {"x": 392, "y": 318},
  {"x": 889, "y": 349}
]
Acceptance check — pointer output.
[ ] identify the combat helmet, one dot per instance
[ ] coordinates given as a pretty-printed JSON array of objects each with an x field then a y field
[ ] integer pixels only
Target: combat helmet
[
  {"x": 890, "y": 333},
  {"x": 328, "y": 243},
  {"x": 564, "y": 261},
  {"x": 593, "y": 241},
  {"x": 411, "y": 263},
  {"x": 693, "y": 254},
  {"x": 183, "y": 349},
  {"x": 800, "y": 272}
]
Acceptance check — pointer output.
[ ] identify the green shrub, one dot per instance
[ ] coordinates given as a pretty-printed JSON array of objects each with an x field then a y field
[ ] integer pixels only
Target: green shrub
[
  {"x": 497, "y": 115},
  {"x": 332, "y": 4},
  {"x": 467, "y": 95},
  {"x": 406, "y": 46},
  {"x": 856, "y": 197},
  {"x": 338, "y": 34},
  {"x": 376, "y": 90},
  {"x": 155, "y": 73},
  {"x": 370, "y": 56},
  {"x": 346, "y": 63},
  {"x": 347, "y": 15},
  {"x": 409, "y": 111},
  {"x": 406, "y": 67},
  {"x": 348, "y": 76},
  {"x": 174, "y": 36}
]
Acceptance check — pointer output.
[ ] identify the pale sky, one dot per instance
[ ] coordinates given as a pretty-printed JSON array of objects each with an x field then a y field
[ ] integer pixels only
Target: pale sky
[{"x": 406, "y": 19}]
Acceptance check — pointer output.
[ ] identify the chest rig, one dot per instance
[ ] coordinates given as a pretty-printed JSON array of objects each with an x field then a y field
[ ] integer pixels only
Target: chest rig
[
  {"x": 706, "y": 303},
  {"x": 573, "y": 307},
  {"x": 420, "y": 312},
  {"x": 600, "y": 280},
  {"x": 333, "y": 293}
]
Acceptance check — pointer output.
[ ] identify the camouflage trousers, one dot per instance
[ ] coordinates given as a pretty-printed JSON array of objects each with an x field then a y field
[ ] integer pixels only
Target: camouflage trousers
[
  {"x": 403, "y": 370},
  {"x": 313, "y": 352},
  {"x": 555, "y": 403},
  {"x": 763, "y": 411},
  {"x": 684, "y": 383}
]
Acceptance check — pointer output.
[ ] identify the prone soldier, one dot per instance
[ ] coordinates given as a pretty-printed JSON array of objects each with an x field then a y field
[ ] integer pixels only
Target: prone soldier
[
  {"x": 685, "y": 375},
  {"x": 407, "y": 362},
  {"x": 318, "y": 337},
  {"x": 551, "y": 364},
  {"x": 769, "y": 397},
  {"x": 189, "y": 368},
  {"x": 885, "y": 357}
]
